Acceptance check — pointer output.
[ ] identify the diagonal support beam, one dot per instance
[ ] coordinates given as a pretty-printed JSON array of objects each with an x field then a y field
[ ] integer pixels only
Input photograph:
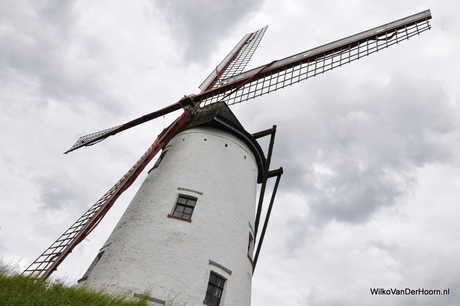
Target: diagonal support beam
[
  {"x": 271, "y": 174},
  {"x": 272, "y": 133}
]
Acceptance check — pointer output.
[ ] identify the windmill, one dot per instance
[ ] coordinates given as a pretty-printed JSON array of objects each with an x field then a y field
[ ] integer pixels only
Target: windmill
[{"x": 206, "y": 126}]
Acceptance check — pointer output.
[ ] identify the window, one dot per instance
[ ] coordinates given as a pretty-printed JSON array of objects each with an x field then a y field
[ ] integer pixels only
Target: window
[
  {"x": 215, "y": 289},
  {"x": 184, "y": 207}
]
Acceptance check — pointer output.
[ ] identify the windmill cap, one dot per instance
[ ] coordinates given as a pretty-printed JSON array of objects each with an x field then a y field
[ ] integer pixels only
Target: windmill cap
[{"x": 219, "y": 115}]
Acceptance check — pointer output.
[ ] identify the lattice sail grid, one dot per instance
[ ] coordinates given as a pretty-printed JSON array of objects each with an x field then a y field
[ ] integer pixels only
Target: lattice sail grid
[
  {"x": 84, "y": 140},
  {"x": 239, "y": 63},
  {"x": 280, "y": 74},
  {"x": 235, "y": 62}
]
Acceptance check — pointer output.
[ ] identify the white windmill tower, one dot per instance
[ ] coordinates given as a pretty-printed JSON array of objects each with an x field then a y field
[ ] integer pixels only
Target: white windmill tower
[
  {"x": 191, "y": 228},
  {"x": 191, "y": 224}
]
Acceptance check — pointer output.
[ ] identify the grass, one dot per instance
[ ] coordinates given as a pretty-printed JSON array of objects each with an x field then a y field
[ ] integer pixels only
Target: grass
[{"x": 16, "y": 290}]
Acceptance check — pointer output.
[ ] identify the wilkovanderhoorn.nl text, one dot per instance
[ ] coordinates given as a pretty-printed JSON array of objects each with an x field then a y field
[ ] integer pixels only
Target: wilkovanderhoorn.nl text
[{"x": 409, "y": 291}]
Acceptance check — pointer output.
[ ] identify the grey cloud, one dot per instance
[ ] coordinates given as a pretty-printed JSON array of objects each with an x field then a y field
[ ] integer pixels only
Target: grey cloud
[
  {"x": 56, "y": 191},
  {"x": 355, "y": 194},
  {"x": 371, "y": 149},
  {"x": 201, "y": 24},
  {"x": 426, "y": 268},
  {"x": 424, "y": 118},
  {"x": 382, "y": 246},
  {"x": 60, "y": 15},
  {"x": 46, "y": 49},
  {"x": 318, "y": 297}
]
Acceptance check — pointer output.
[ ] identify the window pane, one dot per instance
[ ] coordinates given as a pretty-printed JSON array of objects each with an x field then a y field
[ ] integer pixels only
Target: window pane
[
  {"x": 181, "y": 200},
  {"x": 191, "y": 202},
  {"x": 217, "y": 292},
  {"x": 219, "y": 282},
  {"x": 215, "y": 301},
  {"x": 212, "y": 278}
]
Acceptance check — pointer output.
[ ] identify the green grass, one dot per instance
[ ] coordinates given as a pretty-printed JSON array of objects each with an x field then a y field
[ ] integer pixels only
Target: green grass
[{"x": 18, "y": 290}]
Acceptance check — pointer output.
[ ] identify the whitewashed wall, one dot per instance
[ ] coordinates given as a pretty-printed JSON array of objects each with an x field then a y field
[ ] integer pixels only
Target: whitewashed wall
[{"x": 168, "y": 258}]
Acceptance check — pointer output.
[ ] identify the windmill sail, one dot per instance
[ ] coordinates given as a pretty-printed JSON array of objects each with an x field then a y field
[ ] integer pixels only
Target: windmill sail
[
  {"x": 94, "y": 138},
  {"x": 307, "y": 64}
]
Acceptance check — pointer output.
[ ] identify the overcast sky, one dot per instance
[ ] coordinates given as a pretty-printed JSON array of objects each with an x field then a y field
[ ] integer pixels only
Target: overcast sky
[{"x": 369, "y": 195}]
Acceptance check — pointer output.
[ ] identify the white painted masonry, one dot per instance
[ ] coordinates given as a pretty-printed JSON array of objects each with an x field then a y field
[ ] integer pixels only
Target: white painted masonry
[{"x": 165, "y": 258}]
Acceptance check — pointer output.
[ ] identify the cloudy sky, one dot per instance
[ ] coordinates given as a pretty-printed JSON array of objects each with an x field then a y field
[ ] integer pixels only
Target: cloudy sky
[{"x": 369, "y": 198}]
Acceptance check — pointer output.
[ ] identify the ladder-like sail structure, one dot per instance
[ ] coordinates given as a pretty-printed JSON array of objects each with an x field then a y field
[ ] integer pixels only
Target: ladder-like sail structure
[{"x": 293, "y": 69}]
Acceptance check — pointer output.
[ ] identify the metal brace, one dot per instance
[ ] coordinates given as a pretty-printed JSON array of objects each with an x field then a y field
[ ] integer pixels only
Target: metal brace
[{"x": 189, "y": 106}]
